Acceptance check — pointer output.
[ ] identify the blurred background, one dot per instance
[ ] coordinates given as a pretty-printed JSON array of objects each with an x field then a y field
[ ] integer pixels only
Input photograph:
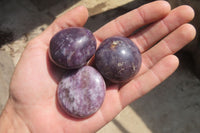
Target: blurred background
[{"x": 172, "y": 107}]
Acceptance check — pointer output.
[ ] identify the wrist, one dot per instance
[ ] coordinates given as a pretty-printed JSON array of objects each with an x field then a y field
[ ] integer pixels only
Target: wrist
[{"x": 11, "y": 122}]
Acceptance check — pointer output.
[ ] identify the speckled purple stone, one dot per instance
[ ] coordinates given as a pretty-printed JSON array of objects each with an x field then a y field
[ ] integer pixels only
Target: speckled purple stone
[
  {"x": 118, "y": 59},
  {"x": 81, "y": 92},
  {"x": 71, "y": 48}
]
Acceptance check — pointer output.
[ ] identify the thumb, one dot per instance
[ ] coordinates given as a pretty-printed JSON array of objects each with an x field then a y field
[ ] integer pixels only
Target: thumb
[{"x": 76, "y": 17}]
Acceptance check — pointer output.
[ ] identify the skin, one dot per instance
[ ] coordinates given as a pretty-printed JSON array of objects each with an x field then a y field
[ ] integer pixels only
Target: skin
[{"x": 32, "y": 105}]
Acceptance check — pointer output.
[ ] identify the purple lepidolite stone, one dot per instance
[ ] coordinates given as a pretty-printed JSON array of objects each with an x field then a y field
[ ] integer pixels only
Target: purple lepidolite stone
[
  {"x": 81, "y": 92},
  {"x": 118, "y": 59},
  {"x": 71, "y": 48}
]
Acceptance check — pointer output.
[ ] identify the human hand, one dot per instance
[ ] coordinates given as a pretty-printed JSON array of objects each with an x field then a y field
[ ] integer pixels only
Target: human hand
[{"x": 32, "y": 105}]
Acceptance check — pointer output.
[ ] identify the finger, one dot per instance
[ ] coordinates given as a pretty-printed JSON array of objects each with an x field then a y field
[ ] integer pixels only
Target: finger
[
  {"x": 152, "y": 34},
  {"x": 76, "y": 17},
  {"x": 169, "y": 45},
  {"x": 131, "y": 21},
  {"x": 146, "y": 82}
]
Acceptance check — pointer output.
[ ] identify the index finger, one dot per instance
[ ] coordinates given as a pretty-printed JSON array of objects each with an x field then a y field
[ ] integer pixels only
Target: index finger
[{"x": 126, "y": 24}]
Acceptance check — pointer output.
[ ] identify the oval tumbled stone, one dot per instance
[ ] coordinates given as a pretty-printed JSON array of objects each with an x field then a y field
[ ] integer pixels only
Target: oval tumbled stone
[{"x": 81, "y": 92}]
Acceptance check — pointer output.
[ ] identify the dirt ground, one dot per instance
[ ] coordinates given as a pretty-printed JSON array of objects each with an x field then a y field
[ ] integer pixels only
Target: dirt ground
[{"x": 172, "y": 107}]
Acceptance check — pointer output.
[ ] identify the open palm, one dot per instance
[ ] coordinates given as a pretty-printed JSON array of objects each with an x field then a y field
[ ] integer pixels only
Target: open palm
[{"x": 34, "y": 83}]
